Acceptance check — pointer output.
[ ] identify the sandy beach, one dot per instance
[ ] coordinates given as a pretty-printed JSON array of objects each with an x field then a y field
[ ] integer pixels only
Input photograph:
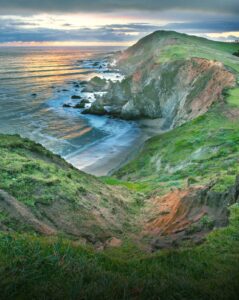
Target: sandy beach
[{"x": 107, "y": 166}]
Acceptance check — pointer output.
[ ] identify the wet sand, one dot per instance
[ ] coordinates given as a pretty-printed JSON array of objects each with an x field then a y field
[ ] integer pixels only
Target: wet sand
[{"x": 107, "y": 166}]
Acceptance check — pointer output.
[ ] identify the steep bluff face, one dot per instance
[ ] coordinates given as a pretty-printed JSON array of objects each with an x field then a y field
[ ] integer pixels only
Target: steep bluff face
[
  {"x": 163, "y": 83},
  {"x": 188, "y": 214},
  {"x": 175, "y": 91}
]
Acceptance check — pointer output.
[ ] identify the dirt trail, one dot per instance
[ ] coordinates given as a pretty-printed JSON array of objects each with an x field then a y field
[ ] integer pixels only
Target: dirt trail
[{"x": 20, "y": 212}]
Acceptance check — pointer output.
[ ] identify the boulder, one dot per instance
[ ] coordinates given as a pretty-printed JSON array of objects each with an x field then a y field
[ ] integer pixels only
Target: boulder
[
  {"x": 95, "y": 109},
  {"x": 113, "y": 243},
  {"x": 75, "y": 97},
  {"x": 66, "y": 105},
  {"x": 82, "y": 103},
  {"x": 79, "y": 105}
]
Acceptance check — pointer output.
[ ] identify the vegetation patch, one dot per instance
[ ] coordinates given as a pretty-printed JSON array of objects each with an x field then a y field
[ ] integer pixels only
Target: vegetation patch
[
  {"x": 49, "y": 268},
  {"x": 233, "y": 97},
  {"x": 204, "y": 150}
]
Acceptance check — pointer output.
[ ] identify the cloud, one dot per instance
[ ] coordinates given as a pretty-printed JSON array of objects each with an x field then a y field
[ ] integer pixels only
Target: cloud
[
  {"x": 36, "y": 6},
  {"x": 114, "y": 32},
  {"x": 204, "y": 27},
  {"x": 20, "y": 23},
  {"x": 66, "y": 25},
  {"x": 22, "y": 30},
  {"x": 25, "y": 31}
]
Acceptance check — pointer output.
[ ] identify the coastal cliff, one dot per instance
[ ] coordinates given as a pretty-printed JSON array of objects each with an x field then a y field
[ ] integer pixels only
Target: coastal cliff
[{"x": 164, "y": 82}]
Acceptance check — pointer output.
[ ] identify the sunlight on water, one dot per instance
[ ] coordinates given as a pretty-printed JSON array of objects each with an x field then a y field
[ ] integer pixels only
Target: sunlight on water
[{"x": 34, "y": 85}]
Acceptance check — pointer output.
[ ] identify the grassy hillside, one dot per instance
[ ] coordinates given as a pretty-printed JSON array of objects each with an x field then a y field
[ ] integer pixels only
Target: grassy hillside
[
  {"x": 37, "y": 267},
  {"x": 165, "y": 46},
  {"x": 63, "y": 199},
  {"x": 203, "y": 150},
  {"x": 34, "y": 267},
  {"x": 43, "y": 268}
]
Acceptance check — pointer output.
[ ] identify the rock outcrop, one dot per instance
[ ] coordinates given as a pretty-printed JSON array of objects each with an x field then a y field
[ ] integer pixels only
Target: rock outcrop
[{"x": 177, "y": 89}]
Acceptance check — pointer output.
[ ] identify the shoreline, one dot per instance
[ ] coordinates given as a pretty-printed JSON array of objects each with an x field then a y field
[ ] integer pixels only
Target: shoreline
[{"x": 107, "y": 167}]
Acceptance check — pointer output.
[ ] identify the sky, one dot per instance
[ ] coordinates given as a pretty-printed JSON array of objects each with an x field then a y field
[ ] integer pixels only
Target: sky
[{"x": 110, "y": 22}]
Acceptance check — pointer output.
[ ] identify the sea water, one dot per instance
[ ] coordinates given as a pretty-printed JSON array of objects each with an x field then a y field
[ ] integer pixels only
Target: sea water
[{"x": 34, "y": 85}]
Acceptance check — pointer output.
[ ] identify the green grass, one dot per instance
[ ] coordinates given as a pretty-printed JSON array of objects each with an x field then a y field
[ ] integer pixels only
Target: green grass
[
  {"x": 204, "y": 149},
  {"x": 184, "y": 47},
  {"x": 233, "y": 97},
  {"x": 186, "y": 50},
  {"x": 134, "y": 186},
  {"x": 40, "y": 180},
  {"x": 32, "y": 173},
  {"x": 43, "y": 268}
]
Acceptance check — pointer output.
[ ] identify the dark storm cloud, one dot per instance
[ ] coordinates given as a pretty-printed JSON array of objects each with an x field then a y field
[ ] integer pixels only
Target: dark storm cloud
[{"x": 36, "y": 6}]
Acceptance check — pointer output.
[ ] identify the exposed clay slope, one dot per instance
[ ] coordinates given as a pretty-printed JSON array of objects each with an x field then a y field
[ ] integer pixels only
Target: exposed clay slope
[{"x": 187, "y": 215}]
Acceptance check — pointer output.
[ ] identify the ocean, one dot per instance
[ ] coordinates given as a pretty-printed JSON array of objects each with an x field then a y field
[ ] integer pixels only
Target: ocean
[{"x": 34, "y": 85}]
